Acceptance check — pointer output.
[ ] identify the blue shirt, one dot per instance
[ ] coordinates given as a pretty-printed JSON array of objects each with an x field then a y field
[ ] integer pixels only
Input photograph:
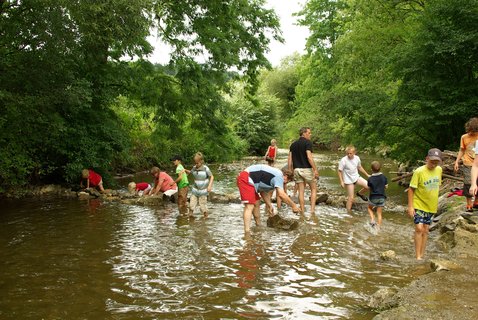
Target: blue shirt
[{"x": 265, "y": 178}]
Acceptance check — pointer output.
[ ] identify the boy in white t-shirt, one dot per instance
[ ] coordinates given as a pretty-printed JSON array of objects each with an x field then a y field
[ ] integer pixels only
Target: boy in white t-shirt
[{"x": 349, "y": 167}]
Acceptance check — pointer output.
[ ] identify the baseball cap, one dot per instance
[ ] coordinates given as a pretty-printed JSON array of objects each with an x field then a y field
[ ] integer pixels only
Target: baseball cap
[
  {"x": 176, "y": 157},
  {"x": 434, "y": 154}
]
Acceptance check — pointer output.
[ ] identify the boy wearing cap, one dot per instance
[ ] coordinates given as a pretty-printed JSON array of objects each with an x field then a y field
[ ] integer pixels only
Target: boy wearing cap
[
  {"x": 183, "y": 183},
  {"x": 423, "y": 198}
]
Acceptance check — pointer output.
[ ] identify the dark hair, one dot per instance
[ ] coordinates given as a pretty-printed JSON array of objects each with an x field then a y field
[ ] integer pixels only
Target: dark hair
[
  {"x": 471, "y": 125},
  {"x": 303, "y": 130},
  {"x": 376, "y": 166}
]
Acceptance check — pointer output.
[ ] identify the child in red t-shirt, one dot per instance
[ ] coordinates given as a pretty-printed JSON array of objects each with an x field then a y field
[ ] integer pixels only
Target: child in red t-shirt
[
  {"x": 271, "y": 152},
  {"x": 140, "y": 188},
  {"x": 92, "y": 179}
]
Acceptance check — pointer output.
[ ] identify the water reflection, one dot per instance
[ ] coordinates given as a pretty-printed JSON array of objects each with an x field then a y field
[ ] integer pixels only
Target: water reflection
[{"x": 128, "y": 262}]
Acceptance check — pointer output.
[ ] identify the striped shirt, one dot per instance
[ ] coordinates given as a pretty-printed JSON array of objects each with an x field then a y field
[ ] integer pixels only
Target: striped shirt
[{"x": 201, "y": 180}]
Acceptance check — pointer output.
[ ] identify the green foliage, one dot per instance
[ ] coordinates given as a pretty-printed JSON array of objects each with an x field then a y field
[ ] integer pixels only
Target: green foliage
[
  {"x": 396, "y": 74},
  {"x": 69, "y": 100}
]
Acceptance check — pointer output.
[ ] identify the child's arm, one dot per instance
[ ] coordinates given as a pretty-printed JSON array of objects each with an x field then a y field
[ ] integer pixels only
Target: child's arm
[
  {"x": 411, "y": 209},
  {"x": 474, "y": 176},
  {"x": 88, "y": 183},
  {"x": 180, "y": 176},
  {"x": 211, "y": 180},
  {"x": 267, "y": 152},
  {"x": 458, "y": 158},
  {"x": 157, "y": 187},
  {"x": 341, "y": 178},
  {"x": 361, "y": 169}
]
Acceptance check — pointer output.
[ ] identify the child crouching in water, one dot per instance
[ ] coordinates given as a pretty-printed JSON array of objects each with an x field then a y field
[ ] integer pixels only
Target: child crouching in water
[
  {"x": 377, "y": 184},
  {"x": 140, "y": 188},
  {"x": 92, "y": 179}
]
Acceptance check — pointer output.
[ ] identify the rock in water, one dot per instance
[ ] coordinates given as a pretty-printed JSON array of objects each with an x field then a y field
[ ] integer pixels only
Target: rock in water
[
  {"x": 321, "y": 198},
  {"x": 276, "y": 221},
  {"x": 388, "y": 255},
  {"x": 383, "y": 299},
  {"x": 438, "y": 265}
]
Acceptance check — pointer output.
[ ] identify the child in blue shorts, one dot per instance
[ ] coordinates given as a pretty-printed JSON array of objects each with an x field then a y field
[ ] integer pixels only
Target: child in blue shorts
[
  {"x": 377, "y": 184},
  {"x": 423, "y": 198}
]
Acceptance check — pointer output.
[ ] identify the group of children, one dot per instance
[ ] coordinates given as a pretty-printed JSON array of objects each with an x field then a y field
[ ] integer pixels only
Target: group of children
[
  {"x": 164, "y": 183},
  {"x": 422, "y": 193}
]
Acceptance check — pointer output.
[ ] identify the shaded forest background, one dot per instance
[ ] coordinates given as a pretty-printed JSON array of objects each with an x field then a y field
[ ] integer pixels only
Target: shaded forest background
[{"x": 77, "y": 91}]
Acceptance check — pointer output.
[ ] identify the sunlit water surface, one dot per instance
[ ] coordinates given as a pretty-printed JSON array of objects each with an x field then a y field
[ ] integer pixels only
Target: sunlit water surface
[{"x": 72, "y": 259}]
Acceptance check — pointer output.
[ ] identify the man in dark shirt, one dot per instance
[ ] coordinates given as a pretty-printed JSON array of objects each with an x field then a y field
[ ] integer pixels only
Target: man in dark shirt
[{"x": 303, "y": 166}]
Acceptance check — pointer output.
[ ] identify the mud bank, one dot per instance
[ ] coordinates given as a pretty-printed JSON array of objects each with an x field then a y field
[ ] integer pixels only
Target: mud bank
[{"x": 449, "y": 288}]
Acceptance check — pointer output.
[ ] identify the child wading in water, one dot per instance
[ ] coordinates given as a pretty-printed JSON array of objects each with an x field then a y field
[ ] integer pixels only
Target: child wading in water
[
  {"x": 467, "y": 152},
  {"x": 92, "y": 179},
  {"x": 349, "y": 167},
  {"x": 271, "y": 153},
  {"x": 423, "y": 198},
  {"x": 203, "y": 180},
  {"x": 377, "y": 184},
  {"x": 183, "y": 183}
]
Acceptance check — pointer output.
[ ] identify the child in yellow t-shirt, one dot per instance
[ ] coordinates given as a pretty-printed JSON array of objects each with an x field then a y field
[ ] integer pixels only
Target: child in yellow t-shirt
[
  {"x": 467, "y": 143},
  {"x": 423, "y": 198}
]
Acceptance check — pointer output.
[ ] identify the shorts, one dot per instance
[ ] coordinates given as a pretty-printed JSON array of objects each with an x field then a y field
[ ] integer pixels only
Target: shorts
[
  {"x": 304, "y": 175},
  {"x": 466, "y": 181},
  {"x": 377, "y": 202},
  {"x": 247, "y": 191},
  {"x": 170, "y": 192},
  {"x": 422, "y": 217}
]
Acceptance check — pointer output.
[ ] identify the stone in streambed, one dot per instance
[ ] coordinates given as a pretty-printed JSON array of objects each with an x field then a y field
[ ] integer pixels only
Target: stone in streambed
[
  {"x": 446, "y": 265},
  {"x": 388, "y": 255},
  {"x": 321, "y": 198},
  {"x": 383, "y": 299},
  {"x": 277, "y": 222}
]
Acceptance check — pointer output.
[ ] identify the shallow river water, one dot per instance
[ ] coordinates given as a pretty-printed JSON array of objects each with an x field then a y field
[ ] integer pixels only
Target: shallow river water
[{"x": 72, "y": 259}]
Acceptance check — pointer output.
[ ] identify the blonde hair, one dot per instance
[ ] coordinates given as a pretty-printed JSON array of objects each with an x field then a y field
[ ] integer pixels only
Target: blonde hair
[
  {"x": 85, "y": 173},
  {"x": 350, "y": 148},
  {"x": 132, "y": 187},
  {"x": 273, "y": 141},
  {"x": 200, "y": 156}
]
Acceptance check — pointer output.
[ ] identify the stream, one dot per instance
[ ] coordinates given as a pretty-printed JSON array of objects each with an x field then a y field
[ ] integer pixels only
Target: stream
[{"x": 74, "y": 259}]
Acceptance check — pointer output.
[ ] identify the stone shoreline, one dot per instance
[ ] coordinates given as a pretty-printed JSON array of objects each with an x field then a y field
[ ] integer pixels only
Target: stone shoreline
[{"x": 449, "y": 290}]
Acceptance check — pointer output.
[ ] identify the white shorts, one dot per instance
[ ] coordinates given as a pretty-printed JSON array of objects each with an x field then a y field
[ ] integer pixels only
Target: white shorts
[{"x": 170, "y": 192}]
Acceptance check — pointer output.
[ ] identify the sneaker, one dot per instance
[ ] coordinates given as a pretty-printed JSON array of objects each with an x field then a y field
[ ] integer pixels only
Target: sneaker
[{"x": 361, "y": 196}]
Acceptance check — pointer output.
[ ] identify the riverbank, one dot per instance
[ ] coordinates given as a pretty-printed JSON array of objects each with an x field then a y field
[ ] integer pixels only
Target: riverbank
[{"x": 449, "y": 289}]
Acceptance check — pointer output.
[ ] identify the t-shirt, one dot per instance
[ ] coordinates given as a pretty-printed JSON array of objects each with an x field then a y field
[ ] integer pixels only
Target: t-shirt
[
  {"x": 271, "y": 152},
  {"x": 298, "y": 149},
  {"x": 94, "y": 178},
  {"x": 377, "y": 182},
  {"x": 467, "y": 144},
  {"x": 184, "y": 180},
  {"x": 166, "y": 184},
  {"x": 349, "y": 169},
  {"x": 426, "y": 183},
  {"x": 141, "y": 186},
  {"x": 265, "y": 178},
  {"x": 201, "y": 180}
]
